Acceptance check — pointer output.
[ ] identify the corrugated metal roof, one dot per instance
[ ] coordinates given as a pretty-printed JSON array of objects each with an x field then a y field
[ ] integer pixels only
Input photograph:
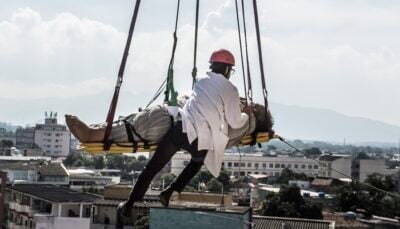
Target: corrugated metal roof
[
  {"x": 53, "y": 193},
  {"x": 262, "y": 222}
]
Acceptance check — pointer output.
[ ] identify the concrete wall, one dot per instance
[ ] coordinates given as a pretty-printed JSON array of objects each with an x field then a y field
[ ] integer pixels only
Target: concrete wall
[
  {"x": 46, "y": 222},
  {"x": 368, "y": 167},
  {"x": 342, "y": 165}
]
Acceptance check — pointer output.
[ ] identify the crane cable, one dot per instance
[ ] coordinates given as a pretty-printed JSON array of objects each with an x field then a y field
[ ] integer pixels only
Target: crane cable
[
  {"x": 241, "y": 49},
  {"x": 196, "y": 28}
]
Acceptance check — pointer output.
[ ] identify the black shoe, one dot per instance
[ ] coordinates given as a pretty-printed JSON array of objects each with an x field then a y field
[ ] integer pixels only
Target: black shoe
[
  {"x": 124, "y": 210},
  {"x": 165, "y": 196}
]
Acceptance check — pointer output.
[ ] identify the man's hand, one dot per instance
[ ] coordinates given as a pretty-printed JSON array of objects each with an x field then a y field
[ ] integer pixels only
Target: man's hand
[{"x": 248, "y": 109}]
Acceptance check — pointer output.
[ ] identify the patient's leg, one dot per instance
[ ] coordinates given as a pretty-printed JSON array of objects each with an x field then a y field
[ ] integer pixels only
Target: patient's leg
[{"x": 83, "y": 132}]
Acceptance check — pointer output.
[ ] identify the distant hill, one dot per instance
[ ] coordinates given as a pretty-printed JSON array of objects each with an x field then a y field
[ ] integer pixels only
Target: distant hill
[{"x": 327, "y": 125}]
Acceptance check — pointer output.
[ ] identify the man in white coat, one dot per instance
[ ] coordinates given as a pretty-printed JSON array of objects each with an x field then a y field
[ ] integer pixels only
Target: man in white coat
[{"x": 213, "y": 106}]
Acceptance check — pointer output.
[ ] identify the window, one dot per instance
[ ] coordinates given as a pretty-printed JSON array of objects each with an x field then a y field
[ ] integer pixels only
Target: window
[
  {"x": 229, "y": 164},
  {"x": 271, "y": 165},
  {"x": 315, "y": 166},
  {"x": 296, "y": 166},
  {"x": 57, "y": 135},
  {"x": 277, "y": 165},
  {"x": 242, "y": 174},
  {"x": 289, "y": 166},
  {"x": 223, "y": 164},
  {"x": 249, "y": 164},
  {"x": 309, "y": 166},
  {"x": 264, "y": 165},
  {"x": 256, "y": 165},
  {"x": 256, "y": 173},
  {"x": 282, "y": 165},
  {"x": 185, "y": 163},
  {"x": 303, "y": 166},
  {"x": 235, "y": 164},
  {"x": 242, "y": 164}
]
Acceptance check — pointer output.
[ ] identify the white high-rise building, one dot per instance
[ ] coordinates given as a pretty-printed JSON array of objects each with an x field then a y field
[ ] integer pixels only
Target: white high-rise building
[{"x": 54, "y": 139}]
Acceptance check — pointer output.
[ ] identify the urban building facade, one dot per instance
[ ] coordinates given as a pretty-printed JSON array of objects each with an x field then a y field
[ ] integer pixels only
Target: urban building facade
[
  {"x": 47, "y": 206},
  {"x": 52, "y": 138},
  {"x": 333, "y": 163},
  {"x": 361, "y": 168},
  {"x": 256, "y": 163},
  {"x": 3, "y": 181}
]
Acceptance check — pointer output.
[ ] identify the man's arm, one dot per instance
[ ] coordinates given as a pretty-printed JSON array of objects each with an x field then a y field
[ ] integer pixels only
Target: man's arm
[{"x": 233, "y": 115}]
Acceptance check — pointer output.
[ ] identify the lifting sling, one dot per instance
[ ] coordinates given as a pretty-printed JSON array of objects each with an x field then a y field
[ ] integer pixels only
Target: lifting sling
[{"x": 171, "y": 94}]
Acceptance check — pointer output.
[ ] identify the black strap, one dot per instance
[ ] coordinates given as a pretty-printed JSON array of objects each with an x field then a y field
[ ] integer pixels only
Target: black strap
[
  {"x": 241, "y": 49},
  {"x": 260, "y": 59},
  {"x": 114, "y": 101},
  {"x": 131, "y": 129},
  {"x": 196, "y": 28}
]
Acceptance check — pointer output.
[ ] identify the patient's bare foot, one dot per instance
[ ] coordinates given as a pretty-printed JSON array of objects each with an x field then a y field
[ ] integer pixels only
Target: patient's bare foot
[{"x": 83, "y": 132}]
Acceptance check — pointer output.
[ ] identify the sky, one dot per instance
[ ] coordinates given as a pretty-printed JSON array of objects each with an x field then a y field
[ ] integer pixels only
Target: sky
[{"x": 63, "y": 56}]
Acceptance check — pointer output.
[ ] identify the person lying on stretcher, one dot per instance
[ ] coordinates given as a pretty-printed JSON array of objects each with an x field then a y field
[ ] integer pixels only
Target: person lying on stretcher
[
  {"x": 212, "y": 119},
  {"x": 154, "y": 122}
]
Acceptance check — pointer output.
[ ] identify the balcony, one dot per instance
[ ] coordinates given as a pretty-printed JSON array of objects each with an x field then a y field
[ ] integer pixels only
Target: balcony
[
  {"x": 18, "y": 207},
  {"x": 11, "y": 205}
]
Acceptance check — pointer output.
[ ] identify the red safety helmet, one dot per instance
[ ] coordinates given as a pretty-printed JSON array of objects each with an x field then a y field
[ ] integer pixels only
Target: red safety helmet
[{"x": 222, "y": 56}]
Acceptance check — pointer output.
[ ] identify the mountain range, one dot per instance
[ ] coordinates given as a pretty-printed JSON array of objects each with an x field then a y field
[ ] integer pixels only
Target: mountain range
[{"x": 326, "y": 125}]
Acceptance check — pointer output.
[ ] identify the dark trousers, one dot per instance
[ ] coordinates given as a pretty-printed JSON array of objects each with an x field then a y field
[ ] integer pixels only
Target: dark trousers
[{"x": 172, "y": 142}]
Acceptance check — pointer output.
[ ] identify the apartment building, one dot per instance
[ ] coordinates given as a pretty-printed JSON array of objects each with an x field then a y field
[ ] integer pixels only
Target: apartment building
[
  {"x": 255, "y": 163},
  {"x": 361, "y": 168},
  {"x": 52, "y": 138},
  {"x": 47, "y": 206},
  {"x": 333, "y": 163}
]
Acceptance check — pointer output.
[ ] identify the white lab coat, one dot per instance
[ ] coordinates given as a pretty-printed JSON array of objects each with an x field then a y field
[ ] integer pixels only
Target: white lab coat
[{"x": 213, "y": 105}]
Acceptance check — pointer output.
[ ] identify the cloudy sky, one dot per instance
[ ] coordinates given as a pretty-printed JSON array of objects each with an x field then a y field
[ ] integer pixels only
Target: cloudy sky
[{"x": 64, "y": 56}]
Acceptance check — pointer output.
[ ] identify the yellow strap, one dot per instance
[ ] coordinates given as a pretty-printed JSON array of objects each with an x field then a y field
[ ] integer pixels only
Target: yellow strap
[{"x": 97, "y": 148}]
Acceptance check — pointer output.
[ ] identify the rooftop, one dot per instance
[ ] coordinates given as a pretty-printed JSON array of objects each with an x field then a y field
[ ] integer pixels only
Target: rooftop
[
  {"x": 53, "y": 193},
  {"x": 261, "y": 222},
  {"x": 53, "y": 169}
]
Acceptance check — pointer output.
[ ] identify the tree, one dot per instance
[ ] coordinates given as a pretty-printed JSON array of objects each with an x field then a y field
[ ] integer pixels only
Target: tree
[
  {"x": 362, "y": 155},
  {"x": 313, "y": 151},
  {"x": 143, "y": 223},
  {"x": 168, "y": 178},
  {"x": 289, "y": 203},
  {"x": 99, "y": 162},
  {"x": 214, "y": 185},
  {"x": 288, "y": 174},
  {"x": 142, "y": 158},
  {"x": 355, "y": 195}
]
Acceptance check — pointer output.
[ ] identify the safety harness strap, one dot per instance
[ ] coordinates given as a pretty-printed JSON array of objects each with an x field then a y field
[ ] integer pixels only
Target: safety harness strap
[{"x": 114, "y": 101}]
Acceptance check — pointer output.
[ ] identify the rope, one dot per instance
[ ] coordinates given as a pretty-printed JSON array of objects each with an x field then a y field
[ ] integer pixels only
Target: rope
[
  {"x": 260, "y": 59},
  {"x": 249, "y": 85},
  {"x": 194, "y": 71},
  {"x": 241, "y": 49},
  {"x": 114, "y": 101},
  {"x": 343, "y": 174},
  {"x": 170, "y": 90},
  {"x": 158, "y": 93}
]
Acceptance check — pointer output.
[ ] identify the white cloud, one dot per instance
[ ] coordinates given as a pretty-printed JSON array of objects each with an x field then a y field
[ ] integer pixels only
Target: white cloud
[{"x": 342, "y": 55}]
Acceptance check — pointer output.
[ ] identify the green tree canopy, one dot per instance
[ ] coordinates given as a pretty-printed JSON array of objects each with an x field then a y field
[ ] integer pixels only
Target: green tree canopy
[{"x": 289, "y": 203}]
